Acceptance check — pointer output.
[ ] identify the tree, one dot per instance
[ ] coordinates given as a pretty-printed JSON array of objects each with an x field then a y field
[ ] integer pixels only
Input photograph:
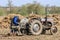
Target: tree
[
  {"x": 10, "y": 6},
  {"x": 36, "y": 8}
]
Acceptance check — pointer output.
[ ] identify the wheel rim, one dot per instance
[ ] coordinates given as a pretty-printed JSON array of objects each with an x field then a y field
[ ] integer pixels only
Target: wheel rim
[{"x": 36, "y": 27}]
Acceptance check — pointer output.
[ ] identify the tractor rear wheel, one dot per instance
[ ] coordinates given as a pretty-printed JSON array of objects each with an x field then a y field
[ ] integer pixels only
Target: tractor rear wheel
[{"x": 36, "y": 27}]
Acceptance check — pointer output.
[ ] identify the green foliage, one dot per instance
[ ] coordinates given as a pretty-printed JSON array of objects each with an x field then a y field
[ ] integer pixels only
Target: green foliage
[
  {"x": 27, "y": 9},
  {"x": 2, "y": 12},
  {"x": 55, "y": 10}
]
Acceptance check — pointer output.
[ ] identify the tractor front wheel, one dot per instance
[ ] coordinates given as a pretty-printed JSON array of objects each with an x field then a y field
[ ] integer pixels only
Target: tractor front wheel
[{"x": 53, "y": 30}]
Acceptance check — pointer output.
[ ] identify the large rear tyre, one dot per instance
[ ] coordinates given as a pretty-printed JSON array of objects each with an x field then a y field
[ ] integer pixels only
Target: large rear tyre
[{"x": 36, "y": 27}]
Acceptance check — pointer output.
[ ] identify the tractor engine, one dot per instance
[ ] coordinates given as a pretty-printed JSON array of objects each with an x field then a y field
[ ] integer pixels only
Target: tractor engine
[{"x": 47, "y": 24}]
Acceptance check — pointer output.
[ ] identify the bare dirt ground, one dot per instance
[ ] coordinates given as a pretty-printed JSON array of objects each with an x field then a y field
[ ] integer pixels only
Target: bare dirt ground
[{"x": 30, "y": 37}]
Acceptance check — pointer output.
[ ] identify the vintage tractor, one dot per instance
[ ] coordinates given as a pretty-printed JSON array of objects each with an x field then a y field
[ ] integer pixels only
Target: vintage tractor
[
  {"x": 36, "y": 25},
  {"x": 33, "y": 24}
]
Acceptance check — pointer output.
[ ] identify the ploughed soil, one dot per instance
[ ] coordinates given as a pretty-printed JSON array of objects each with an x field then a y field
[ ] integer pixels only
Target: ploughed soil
[{"x": 46, "y": 36}]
